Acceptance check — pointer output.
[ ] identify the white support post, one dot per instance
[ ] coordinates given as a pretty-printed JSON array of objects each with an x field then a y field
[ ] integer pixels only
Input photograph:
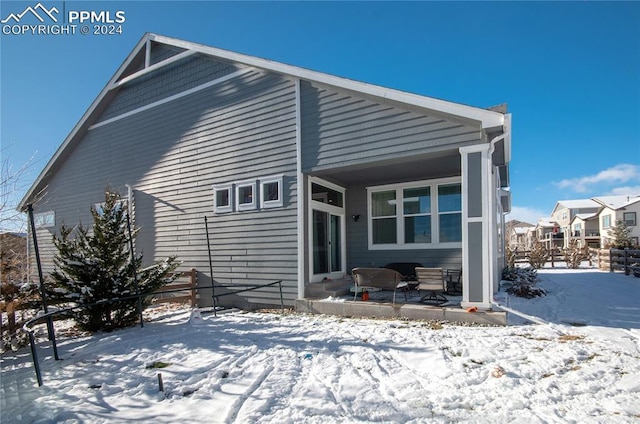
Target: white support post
[{"x": 478, "y": 236}]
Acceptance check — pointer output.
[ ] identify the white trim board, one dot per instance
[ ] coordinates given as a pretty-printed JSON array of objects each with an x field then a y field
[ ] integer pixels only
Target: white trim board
[{"x": 171, "y": 98}]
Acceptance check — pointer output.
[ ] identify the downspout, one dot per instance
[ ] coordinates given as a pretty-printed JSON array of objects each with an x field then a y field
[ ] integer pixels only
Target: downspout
[{"x": 492, "y": 148}]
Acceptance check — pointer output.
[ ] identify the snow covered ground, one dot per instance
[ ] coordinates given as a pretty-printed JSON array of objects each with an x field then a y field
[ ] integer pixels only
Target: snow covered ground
[{"x": 582, "y": 366}]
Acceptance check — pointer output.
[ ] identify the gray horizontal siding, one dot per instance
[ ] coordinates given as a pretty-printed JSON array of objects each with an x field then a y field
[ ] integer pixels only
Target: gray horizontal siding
[
  {"x": 160, "y": 52},
  {"x": 172, "y": 154},
  {"x": 164, "y": 82},
  {"x": 341, "y": 129}
]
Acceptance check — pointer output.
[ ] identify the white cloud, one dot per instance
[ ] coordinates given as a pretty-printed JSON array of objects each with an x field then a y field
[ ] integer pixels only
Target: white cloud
[
  {"x": 621, "y": 191},
  {"x": 621, "y": 173},
  {"x": 524, "y": 214}
]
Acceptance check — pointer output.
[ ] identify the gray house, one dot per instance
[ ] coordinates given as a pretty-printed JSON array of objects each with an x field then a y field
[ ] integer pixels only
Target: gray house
[{"x": 301, "y": 175}]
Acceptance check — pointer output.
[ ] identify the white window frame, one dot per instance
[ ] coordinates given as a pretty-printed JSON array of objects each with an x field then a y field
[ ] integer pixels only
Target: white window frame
[
  {"x": 218, "y": 188},
  {"x": 246, "y": 206},
  {"x": 435, "y": 221},
  {"x": 606, "y": 225},
  {"x": 628, "y": 224},
  {"x": 279, "y": 202},
  {"x": 44, "y": 219}
]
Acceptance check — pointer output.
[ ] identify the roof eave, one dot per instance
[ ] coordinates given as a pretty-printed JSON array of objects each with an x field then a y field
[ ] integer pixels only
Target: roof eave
[{"x": 485, "y": 118}]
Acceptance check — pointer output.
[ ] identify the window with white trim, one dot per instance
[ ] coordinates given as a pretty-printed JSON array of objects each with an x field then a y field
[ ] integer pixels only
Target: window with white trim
[
  {"x": 271, "y": 192},
  {"x": 222, "y": 198},
  {"x": 629, "y": 218},
  {"x": 44, "y": 219},
  {"x": 606, "y": 221},
  {"x": 450, "y": 213},
  {"x": 246, "y": 195},
  {"x": 430, "y": 215}
]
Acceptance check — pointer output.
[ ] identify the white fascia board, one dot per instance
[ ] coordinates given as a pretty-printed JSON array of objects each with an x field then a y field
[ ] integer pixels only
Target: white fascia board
[
  {"x": 151, "y": 68},
  {"x": 487, "y": 118},
  {"x": 30, "y": 193}
]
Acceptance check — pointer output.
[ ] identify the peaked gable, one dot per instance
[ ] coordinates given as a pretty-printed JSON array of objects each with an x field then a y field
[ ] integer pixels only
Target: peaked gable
[{"x": 159, "y": 54}]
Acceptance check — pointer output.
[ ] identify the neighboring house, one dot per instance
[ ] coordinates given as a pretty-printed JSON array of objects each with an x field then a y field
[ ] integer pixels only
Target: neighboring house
[
  {"x": 302, "y": 175},
  {"x": 564, "y": 212},
  {"x": 618, "y": 208},
  {"x": 519, "y": 234},
  {"x": 548, "y": 233},
  {"x": 585, "y": 229}
]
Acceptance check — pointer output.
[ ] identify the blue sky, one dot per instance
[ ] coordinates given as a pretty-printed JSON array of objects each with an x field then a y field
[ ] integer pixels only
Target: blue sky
[{"x": 569, "y": 71}]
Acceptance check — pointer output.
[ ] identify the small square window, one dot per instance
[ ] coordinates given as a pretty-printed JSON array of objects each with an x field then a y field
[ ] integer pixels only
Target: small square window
[
  {"x": 246, "y": 195},
  {"x": 271, "y": 192},
  {"x": 222, "y": 202}
]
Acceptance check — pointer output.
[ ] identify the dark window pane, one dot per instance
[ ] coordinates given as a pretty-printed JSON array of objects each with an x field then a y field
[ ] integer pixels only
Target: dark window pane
[
  {"x": 326, "y": 195},
  {"x": 384, "y": 231},
  {"x": 270, "y": 192},
  {"x": 450, "y": 227},
  {"x": 383, "y": 203},
  {"x": 222, "y": 198},
  {"x": 417, "y": 229},
  {"x": 245, "y": 195},
  {"x": 417, "y": 200},
  {"x": 449, "y": 198}
]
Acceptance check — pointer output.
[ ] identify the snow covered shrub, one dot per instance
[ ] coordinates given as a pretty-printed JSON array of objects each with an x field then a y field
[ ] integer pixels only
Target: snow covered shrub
[
  {"x": 523, "y": 282},
  {"x": 538, "y": 255},
  {"x": 96, "y": 266},
  {"x": 574, "y": 255}
]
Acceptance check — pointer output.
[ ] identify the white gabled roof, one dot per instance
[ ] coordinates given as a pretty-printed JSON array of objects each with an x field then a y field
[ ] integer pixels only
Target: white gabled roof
[
  {"x": 546, "y": 222},
  {"x": 617, "y": 202},
  {"x": 585, "y": 216},
  {"x": 575, "y": 204},
  {"x": 483, "y": 117}
]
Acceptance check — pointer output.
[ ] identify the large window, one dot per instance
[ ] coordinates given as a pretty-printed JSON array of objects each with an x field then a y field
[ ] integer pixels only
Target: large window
[{"x": 415, "y": 215}]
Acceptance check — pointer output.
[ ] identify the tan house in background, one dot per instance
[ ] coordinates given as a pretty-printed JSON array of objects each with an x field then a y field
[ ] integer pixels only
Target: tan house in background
[
  {"x": 589, "y": 221},
  {"x": 618, "y": 208}
]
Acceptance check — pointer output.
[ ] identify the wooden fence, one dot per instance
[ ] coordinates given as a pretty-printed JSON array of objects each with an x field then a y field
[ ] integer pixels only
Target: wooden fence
[
  {"x": 554, "y": 256},
  {"x": 181, "y": 290},
  {"x": 626, "y": 260}
]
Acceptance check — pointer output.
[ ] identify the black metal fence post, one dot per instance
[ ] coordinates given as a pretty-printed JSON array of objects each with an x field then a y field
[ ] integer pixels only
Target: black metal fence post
[
  {"x": 135, "y": 273},
  {"x": 50, "y": 330},
  {"x": 213, "y": 291}
]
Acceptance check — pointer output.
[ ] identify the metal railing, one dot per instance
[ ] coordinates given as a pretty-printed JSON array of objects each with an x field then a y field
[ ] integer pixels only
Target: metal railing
[{"x": 48, "y": 316}]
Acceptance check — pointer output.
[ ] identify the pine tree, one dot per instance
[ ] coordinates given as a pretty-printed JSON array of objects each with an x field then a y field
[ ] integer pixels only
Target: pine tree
[
  {"x": 621, "y": 235},
  {"x": 95, "y": 266}
]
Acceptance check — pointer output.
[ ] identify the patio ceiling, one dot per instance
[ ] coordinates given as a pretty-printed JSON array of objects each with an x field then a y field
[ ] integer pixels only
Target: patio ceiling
[{"x": 438, "y": 165}]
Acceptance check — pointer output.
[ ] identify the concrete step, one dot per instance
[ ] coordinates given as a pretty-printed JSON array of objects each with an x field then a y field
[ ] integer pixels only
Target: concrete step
[{"x": 328, "y": 288}]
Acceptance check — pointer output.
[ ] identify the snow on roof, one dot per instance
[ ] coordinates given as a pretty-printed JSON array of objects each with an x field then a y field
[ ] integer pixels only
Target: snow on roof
[
  {"x": 617, "y": 202},
  {"x": 579, "y": 203},
  {"x": 586, "y": 216},
  {"x": 546, "y": 222}
]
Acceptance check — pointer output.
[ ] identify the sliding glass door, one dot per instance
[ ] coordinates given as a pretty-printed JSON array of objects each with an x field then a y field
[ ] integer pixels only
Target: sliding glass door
[{"x": 327, "y": 232}]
